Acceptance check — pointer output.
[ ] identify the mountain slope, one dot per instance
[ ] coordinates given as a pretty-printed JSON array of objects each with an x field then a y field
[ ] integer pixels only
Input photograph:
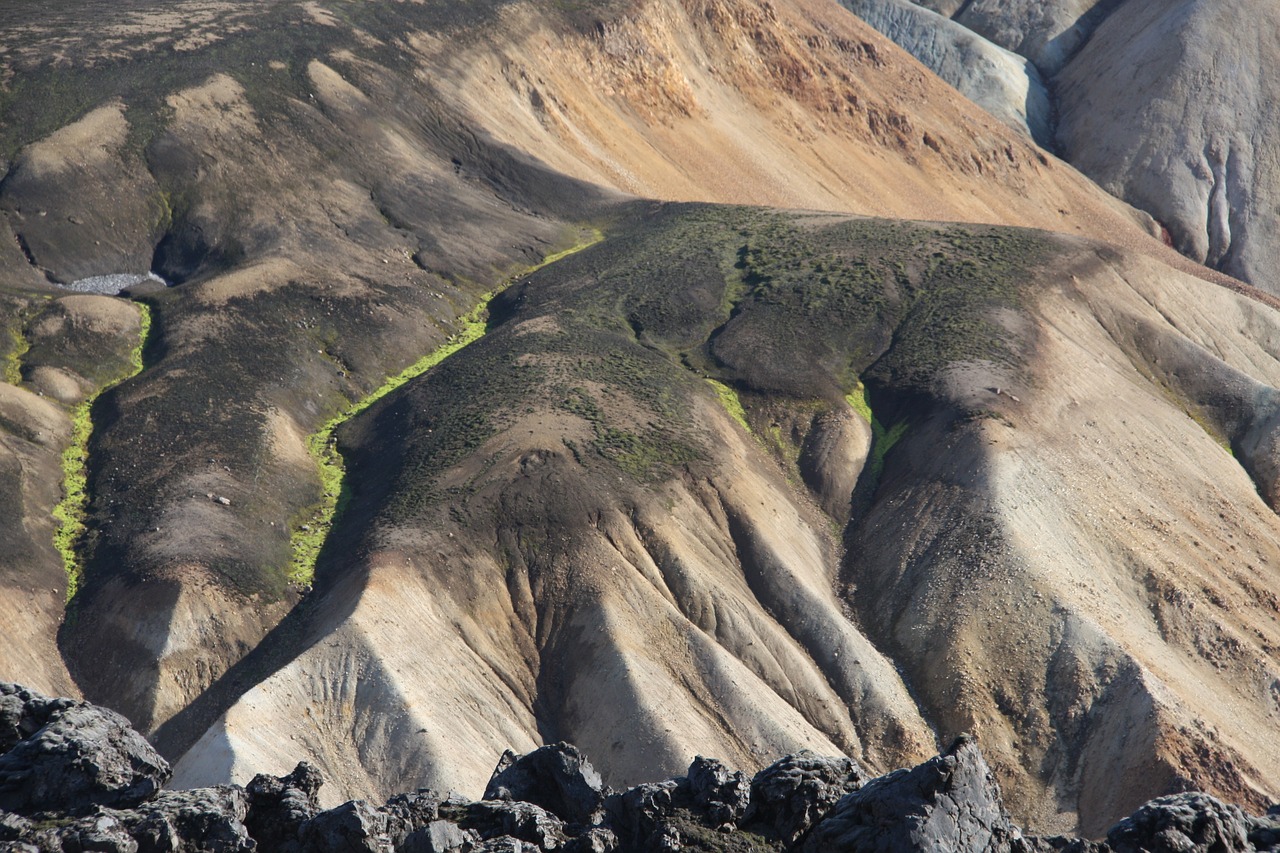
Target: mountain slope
[
  {"x": 332, "y": 203},
  {"x": 1159, "y": 104},
  {"x": 566, "y": 512},
  {"x": 565, "y": 506}
]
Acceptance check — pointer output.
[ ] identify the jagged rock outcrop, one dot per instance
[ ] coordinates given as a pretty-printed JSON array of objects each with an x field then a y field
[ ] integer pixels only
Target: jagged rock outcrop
[
  {"x": 791, "y": 795},
  {"x": 280, "y": 805},
  {"x": 804, "y": 803},
  {"x": 1191, "y": 821},
  {"x": 951, "y": 802},
  {"x": 558, "y": 778},
  {"x": 66, "y": 755}
]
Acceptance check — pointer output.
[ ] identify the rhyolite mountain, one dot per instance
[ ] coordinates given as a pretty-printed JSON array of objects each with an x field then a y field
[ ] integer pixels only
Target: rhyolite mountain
[
  {"x": 816, "y": 408},
  {"x": 1161, "y": 103}
]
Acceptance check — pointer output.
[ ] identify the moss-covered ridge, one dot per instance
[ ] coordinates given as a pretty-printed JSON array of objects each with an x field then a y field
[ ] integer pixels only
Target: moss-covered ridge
[
  {"x": 311, "y": 531},
  {"x": 780, "y": 316},
  {"x": 71, "y": 510}
]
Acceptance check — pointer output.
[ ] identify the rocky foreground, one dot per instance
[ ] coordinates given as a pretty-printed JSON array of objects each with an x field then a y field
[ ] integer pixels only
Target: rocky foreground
[{"x": 77, "y": 777}]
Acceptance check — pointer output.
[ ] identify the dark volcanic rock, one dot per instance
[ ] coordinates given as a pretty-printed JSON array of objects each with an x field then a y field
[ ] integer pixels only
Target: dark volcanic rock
[
  {"x": 548, "y": 800},
  {"x": 353, "y": 826},
  {"x": 722, "y": 792},
  {"x": 792, "y": 794},
  {"x": 64, "y": 755},
  {"x": 1183, "y": 823},
  {"x": 948, "y": 803},
  {"x": 438, "y": 836},
  {"x": 103, "y": 832},
  {"x": 559, "y": 778},
  {"x": 598, "y": 839},
  {"x": 196, "y": 820},
  {"x": 279, "y": 805},
  {"x": 643, "y": 811},
  {"x": 522, "y": 820}
]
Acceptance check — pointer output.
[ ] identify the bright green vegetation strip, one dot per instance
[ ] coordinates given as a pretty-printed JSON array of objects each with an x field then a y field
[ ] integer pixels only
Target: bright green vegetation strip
[
  {"x": 70, "y": 511},
  {"x": 313, "y": 529},
  {"x": 882, "y": 440},
  {"x": 13, "y": 363},
  {"x": 729, "y": 399},
  {"x": 858, "y": 400}
]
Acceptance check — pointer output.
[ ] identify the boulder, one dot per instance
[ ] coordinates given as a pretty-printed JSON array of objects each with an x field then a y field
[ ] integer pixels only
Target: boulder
[
  {"x": 558, "y": 778},
  {"x": 641, "y": 813},
  {"x": 792, "y": 794},
  {"x": 1183, "y": 823},
  {"x": 951, "y": 802},
  {"x": 355, "y": 826},
  {"x": 190, "y": 821},
  {"x": 525, "y": 821},
  {"x": 438, "y": 836},
  {"x": 102, "y": 833},
  {"x": 722, "y": 793},
  {"x": 67, "y": 756},
  {"x": 280, "y": 805}
]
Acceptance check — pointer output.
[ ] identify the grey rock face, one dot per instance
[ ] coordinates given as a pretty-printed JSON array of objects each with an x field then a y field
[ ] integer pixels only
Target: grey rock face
[
  {"x": 1170, "y": 106},
  {"x": 644, "y": 809},
  {"x": 438, "y": 836},
  {"x": 558, "y": 778},
  {"x": 352, "y": 826},
  {"x": 63, "y": 755},
  {"x": 792, "y": 794},
  {"x": 1048, "y": 32},
  {"x": 948, "y": 803},
  {"x": 1183, "y": 823},
  {"x": 279, "y": 805},
  {"x": 198, "y": 820},
  {"x": 1004, "y": 84},
  {"x": 103, "y": 832},
  {"x": 598, "y": 839},
  {"x": 522, "y": 820},
  {"x": 723, "y": 793}
]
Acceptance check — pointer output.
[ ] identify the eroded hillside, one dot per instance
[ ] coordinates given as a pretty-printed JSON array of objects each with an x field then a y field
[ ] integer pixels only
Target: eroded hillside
[
  {"x": 1156, "y": 102},
  {"x": 732, "y": 481}
]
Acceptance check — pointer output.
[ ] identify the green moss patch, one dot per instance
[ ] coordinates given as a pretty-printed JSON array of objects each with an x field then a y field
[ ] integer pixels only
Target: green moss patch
[
  {"x": 783, "y": 315},
  {"x": 71, "y": 511},
  {"x": 731, "y": 403},
  {"x": 312, "y": 528},
  {"x": 18, "y": 347}
]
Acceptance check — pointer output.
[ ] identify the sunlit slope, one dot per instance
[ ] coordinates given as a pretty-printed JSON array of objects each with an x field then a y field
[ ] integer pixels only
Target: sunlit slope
[
  {"x": 331, "y": 201},
  {"x": 1056, "y": 550}
]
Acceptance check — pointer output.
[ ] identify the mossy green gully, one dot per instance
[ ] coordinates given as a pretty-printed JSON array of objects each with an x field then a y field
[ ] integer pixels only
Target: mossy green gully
[
  {"x": 70, "y": 511},
  {"x": 312, "y": 528}
]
